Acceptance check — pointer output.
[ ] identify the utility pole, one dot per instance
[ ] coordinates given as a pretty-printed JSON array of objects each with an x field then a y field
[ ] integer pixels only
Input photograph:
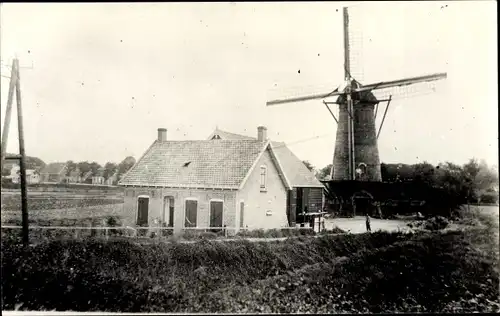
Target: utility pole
[
  {"x": 5, "y": 132},
  {"x": 15, "y": 84}
]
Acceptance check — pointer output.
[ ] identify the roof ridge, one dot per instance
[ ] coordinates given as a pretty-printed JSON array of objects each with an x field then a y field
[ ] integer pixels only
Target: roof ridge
[{"x": 231, "y": 133}]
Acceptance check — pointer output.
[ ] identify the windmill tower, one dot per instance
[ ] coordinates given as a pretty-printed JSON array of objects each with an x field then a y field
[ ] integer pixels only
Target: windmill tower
[{"x": 356, "y": 155}]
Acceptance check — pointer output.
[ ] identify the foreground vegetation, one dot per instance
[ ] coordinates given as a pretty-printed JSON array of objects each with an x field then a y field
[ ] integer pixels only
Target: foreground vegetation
[{"x": 428, "y": 271}]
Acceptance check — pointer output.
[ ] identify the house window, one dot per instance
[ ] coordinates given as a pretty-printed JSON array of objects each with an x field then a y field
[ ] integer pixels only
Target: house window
[
  {"x": 191, "y": 213},
  {"x": 263, "y": 177}
]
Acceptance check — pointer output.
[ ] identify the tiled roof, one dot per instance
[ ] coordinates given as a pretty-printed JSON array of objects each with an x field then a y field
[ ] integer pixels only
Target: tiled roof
[
  {"x": 294, "y": 169},
  {"x": 202, "y": 163},
  {"x": 54, "y": 168}
]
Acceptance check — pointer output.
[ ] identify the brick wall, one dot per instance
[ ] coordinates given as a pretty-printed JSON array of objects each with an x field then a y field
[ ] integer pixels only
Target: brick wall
[{"x": 156, "y": 205}]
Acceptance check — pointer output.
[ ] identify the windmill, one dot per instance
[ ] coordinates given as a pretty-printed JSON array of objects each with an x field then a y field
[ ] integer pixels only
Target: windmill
[{"x": 356, "y": 155}]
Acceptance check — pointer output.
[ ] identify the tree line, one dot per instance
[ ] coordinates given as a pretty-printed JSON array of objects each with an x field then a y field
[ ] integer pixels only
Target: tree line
[
  {"x": 108, "y": 170},
  {"x": 474, "y": 180},
  {"x": 83, "y": 167}
]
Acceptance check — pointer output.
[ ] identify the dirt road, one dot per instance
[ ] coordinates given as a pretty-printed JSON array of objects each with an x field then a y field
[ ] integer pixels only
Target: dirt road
[{"x": 357, "y": 224}]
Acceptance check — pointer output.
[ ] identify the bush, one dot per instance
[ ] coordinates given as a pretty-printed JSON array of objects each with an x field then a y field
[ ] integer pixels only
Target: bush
[
  {"x": 489, "y": 198},
  {"x": 334, "y": 230},
  {"x": 92, "y": 275},
  {"x": 201, "y": 234},
  {"x": 432, "y": 272},
  {"x": 436, "y": 223},
  {"x": 433, "y": 223},
  {"x": 276, "y": 233}
]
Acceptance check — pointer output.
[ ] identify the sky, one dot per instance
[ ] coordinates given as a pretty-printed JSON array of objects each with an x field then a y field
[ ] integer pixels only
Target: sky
[{"x": 104, "y": 77}]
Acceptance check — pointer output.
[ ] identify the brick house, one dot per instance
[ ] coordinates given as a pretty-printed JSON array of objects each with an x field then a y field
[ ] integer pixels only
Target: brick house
[
  {"x": 54, "y": 172},
  {"x": 210, "y": 183},
  {"x": 305, "y": 192}
]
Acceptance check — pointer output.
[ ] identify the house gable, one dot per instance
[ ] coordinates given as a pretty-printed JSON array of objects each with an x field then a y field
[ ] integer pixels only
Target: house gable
[
  {"x": 295, "y": 173},
  {"x": 264, "y": 207}
]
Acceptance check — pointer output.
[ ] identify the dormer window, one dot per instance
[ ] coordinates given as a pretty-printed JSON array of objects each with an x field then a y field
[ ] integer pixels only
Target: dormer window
[
  {"x": 263, "y": 178},
  {"x": 216, "y": 137}
]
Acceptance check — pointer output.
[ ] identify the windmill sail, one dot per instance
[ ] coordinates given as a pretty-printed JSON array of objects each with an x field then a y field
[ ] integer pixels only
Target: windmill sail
[
  {"x": 315, "y": 96},
  {"x": 353, "y": 42},
  {"x": 401, "y": 82}
]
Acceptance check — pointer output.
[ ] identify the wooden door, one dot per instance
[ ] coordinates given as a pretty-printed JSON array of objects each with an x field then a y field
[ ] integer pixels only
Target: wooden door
[
  {"x": 191, "y": 213},
  {"x": 305, "y": 199},
  {"x": 142, "y": 211},
  {"x": 216, "y": 213}
]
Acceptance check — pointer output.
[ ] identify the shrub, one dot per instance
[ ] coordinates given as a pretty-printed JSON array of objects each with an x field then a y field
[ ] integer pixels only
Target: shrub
[
  {"x": 436, "y": 223},
  {"x": 432, "y": 272},
  {"x": 433, "y": 223},
  {"x": 118, "y": 275},
  {"x": 276, "y": 233},
  {"x": 201, "y": 234},
  {"x": 334, "y": 230},
  {"x": 489, "y": 198}
]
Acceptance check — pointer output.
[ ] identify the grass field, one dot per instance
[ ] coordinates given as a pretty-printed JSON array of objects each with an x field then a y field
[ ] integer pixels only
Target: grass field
[{"x": 425, "y": 271}]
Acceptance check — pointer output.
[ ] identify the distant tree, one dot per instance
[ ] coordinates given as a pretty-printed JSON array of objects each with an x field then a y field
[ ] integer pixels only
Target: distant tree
[
  {"x": 308, "y": 165},
  {"x": 424, "y": 172},
  {"x": 34, "y": 163},
  {"x": 70, "y": 167},
  {"x": 31, "y": 163},
  {"x": 486, "y": 178},
  {"x": 109, "y": 169},
  {"x": 324, "y": 173},
  {"x": 389, "y": 172},
  {"x": 125, "y": 165},
  {"x": 5, "y": 172},
  {"x": 482, "y": 178},
  {"x": 83, "y": 167},
  {"x": 94, "y": 167}
]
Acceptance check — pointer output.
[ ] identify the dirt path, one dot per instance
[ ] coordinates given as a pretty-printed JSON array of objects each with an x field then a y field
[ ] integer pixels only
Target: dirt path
[{"x": 357, "y": 224}]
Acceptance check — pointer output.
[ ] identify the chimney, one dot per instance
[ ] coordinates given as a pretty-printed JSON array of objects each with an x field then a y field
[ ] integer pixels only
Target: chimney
[
  {"x": 262, "y": 133},
  {"x": 162, "y": 134}
]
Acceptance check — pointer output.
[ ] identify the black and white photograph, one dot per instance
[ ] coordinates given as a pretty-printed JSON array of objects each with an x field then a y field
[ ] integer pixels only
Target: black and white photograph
[{"x": 249, "y": 157}]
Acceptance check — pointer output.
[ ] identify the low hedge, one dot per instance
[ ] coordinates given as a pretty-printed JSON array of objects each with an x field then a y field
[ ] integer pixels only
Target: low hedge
[
  {"x": 92, "y": 275},
  {"x": 431, "y": 273},
  {"x": 276, "y": 233}
]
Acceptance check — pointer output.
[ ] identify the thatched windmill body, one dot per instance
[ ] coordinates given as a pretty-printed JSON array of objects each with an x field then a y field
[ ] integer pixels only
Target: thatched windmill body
[{"x": 356, "y": 155}]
